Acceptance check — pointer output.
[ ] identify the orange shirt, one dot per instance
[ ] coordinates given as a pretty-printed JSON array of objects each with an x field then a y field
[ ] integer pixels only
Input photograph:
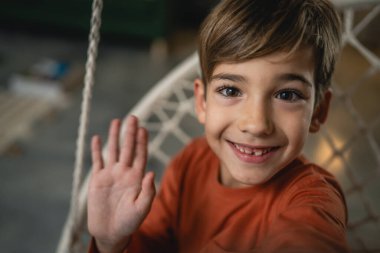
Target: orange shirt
[{"x": 301, "y": 209}]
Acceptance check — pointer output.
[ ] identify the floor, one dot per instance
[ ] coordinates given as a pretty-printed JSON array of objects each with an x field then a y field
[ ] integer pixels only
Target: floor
[{"x": 36, "y": 170}]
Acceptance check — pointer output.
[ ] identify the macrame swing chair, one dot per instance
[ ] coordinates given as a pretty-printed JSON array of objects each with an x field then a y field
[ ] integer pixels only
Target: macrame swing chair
[{"x": 171, "y": 122}]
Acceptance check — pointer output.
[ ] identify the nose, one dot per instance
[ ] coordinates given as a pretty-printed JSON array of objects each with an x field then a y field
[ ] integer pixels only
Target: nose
[{"x": 255, "y": 119}]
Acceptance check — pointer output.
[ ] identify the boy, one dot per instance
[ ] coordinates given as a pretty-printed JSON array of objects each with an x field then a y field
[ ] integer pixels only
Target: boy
[{"x": 266, "y": 70}]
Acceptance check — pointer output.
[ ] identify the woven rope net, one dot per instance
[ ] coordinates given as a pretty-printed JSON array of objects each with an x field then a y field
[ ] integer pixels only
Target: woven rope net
[{"x": 348, "y": 145}]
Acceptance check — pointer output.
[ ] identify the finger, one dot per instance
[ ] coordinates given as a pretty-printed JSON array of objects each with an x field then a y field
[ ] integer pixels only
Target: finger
[
  {"x": 113, "y": 141},
  {"x": 96, "y": 153},
  {"x": 129, "y": 143},
  {"x": 140, "y": 158},
  {"x": 145, "y": 198}
]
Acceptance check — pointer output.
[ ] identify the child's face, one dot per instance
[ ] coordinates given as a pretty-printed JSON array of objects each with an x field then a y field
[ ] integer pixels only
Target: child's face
[{"x": 257, "y": 114}]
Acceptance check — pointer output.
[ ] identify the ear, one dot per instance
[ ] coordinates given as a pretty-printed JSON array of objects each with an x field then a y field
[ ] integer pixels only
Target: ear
[
  {"x": 320, "y": 112},
  {"x": 200, "y": 100}
]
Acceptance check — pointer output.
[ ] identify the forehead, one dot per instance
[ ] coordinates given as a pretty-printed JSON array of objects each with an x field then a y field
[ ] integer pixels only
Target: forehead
[{"x": 301, "y": 61}]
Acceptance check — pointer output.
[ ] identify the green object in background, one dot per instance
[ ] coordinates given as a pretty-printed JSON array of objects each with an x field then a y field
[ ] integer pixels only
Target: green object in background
[{"x": 146, "y": 19}]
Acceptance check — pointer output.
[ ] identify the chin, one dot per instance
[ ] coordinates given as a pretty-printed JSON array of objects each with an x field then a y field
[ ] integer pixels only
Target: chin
[{"x": 250, "y": 180}]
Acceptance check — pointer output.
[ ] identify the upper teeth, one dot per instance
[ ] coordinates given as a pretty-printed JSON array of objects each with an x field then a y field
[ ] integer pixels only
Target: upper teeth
[{"x": 251, "y": 151}]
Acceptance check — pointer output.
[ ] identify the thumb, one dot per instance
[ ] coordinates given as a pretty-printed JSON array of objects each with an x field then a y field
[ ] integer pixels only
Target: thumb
[{"x": 145, "y": 198}]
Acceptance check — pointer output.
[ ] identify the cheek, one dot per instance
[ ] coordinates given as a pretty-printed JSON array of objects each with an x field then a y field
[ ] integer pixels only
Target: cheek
[
  {"x": 295, "y": 125},
  {"x": 216, "y": 119}
]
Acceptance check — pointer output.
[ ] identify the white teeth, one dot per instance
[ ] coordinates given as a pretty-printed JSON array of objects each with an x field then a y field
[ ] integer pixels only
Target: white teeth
[{"x": 250, "y": 151}]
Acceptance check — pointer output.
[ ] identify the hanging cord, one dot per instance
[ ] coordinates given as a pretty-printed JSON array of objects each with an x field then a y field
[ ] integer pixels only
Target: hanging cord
[{"x": 71, "y": 237}]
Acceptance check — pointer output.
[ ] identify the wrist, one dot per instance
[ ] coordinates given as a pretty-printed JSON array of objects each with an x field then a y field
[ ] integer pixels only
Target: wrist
[{"x": 107, "y": 247}]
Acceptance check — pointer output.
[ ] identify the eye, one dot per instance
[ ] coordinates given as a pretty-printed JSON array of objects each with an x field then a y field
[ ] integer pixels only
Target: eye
[
  {"x": 290, "y": 95},
  {"x": 229, "y": 91}
]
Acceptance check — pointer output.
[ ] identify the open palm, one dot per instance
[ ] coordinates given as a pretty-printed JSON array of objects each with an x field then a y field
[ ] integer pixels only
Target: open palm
[{"x": 120, "y": 195}]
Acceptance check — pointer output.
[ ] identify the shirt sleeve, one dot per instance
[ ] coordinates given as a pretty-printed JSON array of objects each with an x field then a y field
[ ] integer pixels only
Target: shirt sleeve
[{"x": 313, "y": 219}]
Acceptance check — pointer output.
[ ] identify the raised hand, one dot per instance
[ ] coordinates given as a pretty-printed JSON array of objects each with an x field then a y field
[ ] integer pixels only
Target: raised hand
[{"x": 119, "y": 196}]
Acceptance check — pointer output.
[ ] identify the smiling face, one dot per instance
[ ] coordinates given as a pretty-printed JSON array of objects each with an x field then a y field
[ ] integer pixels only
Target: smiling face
[{"x": 257, "y": 114}]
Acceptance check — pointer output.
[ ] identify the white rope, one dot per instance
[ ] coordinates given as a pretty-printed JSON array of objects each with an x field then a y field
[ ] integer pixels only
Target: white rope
[{"x": 71, "y": 239}]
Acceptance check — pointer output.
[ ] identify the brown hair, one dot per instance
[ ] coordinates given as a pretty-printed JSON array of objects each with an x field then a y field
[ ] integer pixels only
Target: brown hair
[{"x": 240, "y": 30}]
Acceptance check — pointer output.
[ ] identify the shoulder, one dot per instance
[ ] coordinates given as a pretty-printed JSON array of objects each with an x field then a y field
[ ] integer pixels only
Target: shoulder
[
  {"x": 198, "y": 147},
  {"x": 312, "y": 209},
  {"x": 305, "y": 174},
  {"x": 194, "y": 152},
  {"x": 194, "y": 156},
  {"x": 310, "y": 185}
]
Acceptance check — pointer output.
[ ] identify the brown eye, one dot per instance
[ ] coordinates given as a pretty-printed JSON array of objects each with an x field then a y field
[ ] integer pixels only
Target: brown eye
[
  {"x": 289, "y": 95},
  {"x": 229, "y": 92}
]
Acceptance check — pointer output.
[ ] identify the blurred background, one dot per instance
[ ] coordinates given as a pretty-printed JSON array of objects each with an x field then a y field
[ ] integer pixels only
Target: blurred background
[{"x": 43, "y": 47}]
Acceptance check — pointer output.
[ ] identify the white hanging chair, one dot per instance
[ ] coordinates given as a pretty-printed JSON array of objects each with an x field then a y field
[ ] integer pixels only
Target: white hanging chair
[{"x": 167, "y": 112}]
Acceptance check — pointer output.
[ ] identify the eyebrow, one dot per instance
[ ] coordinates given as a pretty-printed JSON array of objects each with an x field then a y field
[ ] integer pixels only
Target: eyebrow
[
  {"x": 229, "y": 77},
  {"x": 294, "y": 77},
  {"x": 282, "y": 77}
]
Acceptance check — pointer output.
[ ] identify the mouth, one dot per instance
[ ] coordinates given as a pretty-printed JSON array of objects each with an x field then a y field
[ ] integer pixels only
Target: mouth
[
  {"x": 253, "y": 154},
  {"x": 252, "y": 151}
]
